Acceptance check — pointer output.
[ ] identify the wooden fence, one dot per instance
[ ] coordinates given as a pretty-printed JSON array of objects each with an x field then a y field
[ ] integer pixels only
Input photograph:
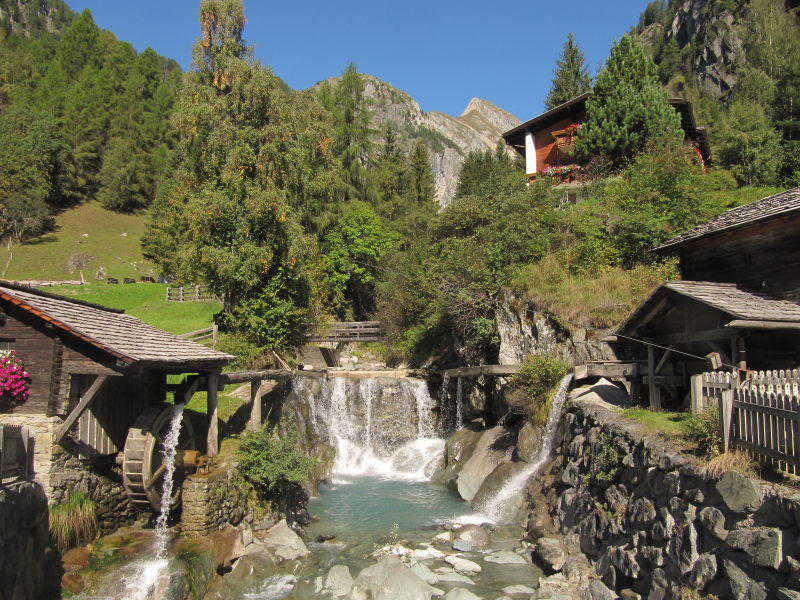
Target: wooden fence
[
  {"x": 190, "y": 293},
  {"x": 15, "y": 452},
  {"x": 759, "y": 414},
  {"x": 209, "y": 333}
]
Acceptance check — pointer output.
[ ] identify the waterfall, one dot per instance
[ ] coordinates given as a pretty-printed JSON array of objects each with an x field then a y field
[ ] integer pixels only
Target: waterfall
[
  {"x": 144, "y": 582},
  {"x": 459, "y": 404},
  {"x": 495, "y": 508},
  {"x": 380, "y": 427},
  {"x": 444, "y": 405}
]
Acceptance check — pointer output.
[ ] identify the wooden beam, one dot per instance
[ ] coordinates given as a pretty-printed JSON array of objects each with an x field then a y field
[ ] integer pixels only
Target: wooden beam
[
  {"x": 745, "y": 324},
  {"x": 692, "y": 336},
  {"x": 212, "y": 439},
  {"x": 96, "y": 386},
  {"x": 245, "y": 376},
  {"x": 654, "y": 389},
  {"x": 663, "y": 360},
  {"x": 255, "y": 406},
  {"x": 718, "y": 349}
]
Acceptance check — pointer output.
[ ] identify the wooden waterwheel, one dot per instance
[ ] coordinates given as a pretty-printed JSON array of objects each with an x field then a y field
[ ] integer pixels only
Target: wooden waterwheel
[{"x": 143, "y": 458}]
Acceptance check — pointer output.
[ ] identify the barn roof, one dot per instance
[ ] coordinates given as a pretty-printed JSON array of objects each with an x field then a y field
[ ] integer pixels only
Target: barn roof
[
  {"x": 123, "y": 336},
  {"x": 771, "y": 207},
  {"x": 737, "y": 303}
]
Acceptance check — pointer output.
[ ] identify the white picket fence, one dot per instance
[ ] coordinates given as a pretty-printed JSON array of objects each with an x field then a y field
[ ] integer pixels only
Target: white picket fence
[{"x": 759, "y": 414}]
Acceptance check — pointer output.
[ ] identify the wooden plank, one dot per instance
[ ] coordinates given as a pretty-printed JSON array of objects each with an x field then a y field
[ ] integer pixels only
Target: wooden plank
[
  {"x": 244, "y": 376},
  {"x": 771, "y": 325},
  {"x": 96, "y": 386},
  {"x": 255, "y": 406},
  {"x": 212, "y": 439},
  {"x": 655, "y": 391},
  {"x": 663, "y": 360}
]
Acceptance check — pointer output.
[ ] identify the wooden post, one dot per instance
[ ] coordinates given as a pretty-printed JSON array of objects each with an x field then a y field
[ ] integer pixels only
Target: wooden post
[
  {"x": 725, "y": 417},
  {"x": 742, "y": 353},
  {"x": 212, "y": 440},
  {"x": 255, "y": 405},
  {"x": 655, "y": 390},
  {"x": 697, "y": 393},
  {"x": 96, "y": 386}
]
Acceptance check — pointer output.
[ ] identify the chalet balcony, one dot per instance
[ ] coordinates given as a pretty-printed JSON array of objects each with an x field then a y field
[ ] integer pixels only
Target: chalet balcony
[{"x": 560, "y": 175}]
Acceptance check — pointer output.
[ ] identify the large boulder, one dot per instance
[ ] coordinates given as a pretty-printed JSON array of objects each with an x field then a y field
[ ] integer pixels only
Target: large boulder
[
  {"x": 495, "y": 482},
  {"x": 493, "y": 447},
  {"x": 337, "y": 582},
  {"x": 281, "y": 543},
  {"x": 457, "y": 450},
  {"x": 471, "y": 537},
  {"x": 529, "y": 442},
  {"x": 390, "y": 579},
  {"x": 741, "y": 494}
]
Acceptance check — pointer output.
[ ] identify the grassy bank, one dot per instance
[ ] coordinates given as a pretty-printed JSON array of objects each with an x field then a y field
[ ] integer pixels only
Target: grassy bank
[{"x": 111, "y": 242}]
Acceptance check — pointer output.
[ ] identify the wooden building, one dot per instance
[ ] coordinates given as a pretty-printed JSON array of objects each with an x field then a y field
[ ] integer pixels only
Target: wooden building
[
  {"x": 739, "y": 302},
  {"x": 546, "y": 141},
  {"x": 97, "y": 367}
]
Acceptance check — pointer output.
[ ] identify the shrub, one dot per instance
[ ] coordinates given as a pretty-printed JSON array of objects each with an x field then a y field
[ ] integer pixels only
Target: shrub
[
  {"x": 531, "y": 389},
  {"x": 73, "y": 522},
  {"x": 703, "y": 428},
  {"x": 268, "y": 458}
]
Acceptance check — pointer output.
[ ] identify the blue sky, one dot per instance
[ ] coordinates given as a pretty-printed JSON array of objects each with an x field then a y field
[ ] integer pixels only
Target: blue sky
[{"x": 441, "y": 52}]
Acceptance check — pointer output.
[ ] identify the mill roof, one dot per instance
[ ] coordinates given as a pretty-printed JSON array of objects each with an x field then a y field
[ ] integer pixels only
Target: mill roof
[
  {"x": 111, "y": 330},
  {"x": 768, "y": 208},
  {"x": 738, "y": 303}
]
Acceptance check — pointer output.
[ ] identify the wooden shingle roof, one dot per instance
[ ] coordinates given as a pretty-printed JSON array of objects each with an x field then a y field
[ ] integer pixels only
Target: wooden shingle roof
[
  {"x": 123, "y": 336},
  {"x": 771, "y": 207}
]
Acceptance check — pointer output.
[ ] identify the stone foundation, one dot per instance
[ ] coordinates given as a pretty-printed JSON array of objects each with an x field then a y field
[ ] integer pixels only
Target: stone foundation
[
  {"x": 23, "y": 541},
  {"x": 43, "y": 429},
  {"x": 652, "y": 523},
  {"x": 212, "y": 502}
]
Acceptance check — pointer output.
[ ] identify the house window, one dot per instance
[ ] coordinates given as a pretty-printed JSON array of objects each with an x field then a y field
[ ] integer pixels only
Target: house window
[{"x": 6, "y": 346}]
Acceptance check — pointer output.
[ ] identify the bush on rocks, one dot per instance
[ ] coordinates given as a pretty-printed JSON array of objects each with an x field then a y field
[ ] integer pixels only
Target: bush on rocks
[
  {"x": 268, "y": 459},
  {"x": 531, "y": 389}
]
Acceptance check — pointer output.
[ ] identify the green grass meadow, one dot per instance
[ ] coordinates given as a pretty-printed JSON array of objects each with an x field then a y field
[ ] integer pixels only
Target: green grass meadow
[{"x": 113, "y": 240}]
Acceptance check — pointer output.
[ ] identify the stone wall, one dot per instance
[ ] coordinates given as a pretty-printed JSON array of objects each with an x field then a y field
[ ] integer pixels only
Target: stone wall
[
  {"x": 653, "y": 523},
  {"x": 212, "y": 502},
  {"x": 23, "y": 541},
  {"x": 103, "y": 484},
  {"x": 43, "y": 429}
]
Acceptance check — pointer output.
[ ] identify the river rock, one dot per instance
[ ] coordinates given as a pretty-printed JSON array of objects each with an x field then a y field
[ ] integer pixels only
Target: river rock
[
  {"x": 471, "y": 537},
  {"x": 454, "y": 578},
  {"x": 462, "y": 565},
  {"x": 390, "y": 579},
  {"x": 444, "y": 536},
  {"x": 424, "y": 573},
  {"x": 460, "y": 594},
  {"x": 518, "y": 590},
  {"x": 741, "y": 494},
  {"x": 282, "y": 543},
  {"x": 551, "y": 553},
  {"x": 493, "y": 447},
  {"x": 505, "y": 557}
]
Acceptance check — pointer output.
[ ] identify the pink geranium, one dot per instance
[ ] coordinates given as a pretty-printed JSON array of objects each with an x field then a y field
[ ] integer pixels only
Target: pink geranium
[{"x": 14, "y": 380}]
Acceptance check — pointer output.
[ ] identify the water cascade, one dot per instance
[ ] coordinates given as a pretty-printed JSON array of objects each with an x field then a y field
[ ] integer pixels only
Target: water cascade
[
  {"x": 459, "y": 403},
  {"x": 379, "y": 427},
  {"x": 495, "y": 509},
  {"x": 144, "y": 579}
]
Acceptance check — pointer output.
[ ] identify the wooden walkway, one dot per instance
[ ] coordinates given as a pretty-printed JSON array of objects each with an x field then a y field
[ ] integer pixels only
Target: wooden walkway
[{"x": 349, "y": 331}]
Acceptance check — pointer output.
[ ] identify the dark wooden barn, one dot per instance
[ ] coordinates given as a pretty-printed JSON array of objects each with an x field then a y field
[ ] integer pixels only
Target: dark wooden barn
[
  {"x": 740, "y": 300},
  {"x": 98, "y": 367}
]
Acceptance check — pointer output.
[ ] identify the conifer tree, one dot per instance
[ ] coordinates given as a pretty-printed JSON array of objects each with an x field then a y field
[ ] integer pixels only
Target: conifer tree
[
  {"x": 420, "y": 176},
  {"x": 570, "y": 78},
  {"x": 628, "y": 107}
]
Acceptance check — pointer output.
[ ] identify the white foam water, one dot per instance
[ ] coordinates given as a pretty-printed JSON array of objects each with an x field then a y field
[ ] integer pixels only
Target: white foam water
[
  {"x": 347, "y": 414},
  {"x": 495, "y": 509},
  {"x": 459, "y": 404}
]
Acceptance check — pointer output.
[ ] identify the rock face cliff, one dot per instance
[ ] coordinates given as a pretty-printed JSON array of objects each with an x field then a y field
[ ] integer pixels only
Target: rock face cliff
[
  {"x": 449, "y": 139},
  {"x": 31, "y": 17}
]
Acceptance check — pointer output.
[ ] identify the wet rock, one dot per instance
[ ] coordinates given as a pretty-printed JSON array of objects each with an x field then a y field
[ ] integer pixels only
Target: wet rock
[
  {"x": 282, "y": 543},
  {"x": 714, "y": 522},
  {"x": 457, "y": 451},
  {"x": 424, "y": 573},
  {"x": 454, "y": 578},
  {"x": 763, "y": 545},
  {"x": 337, "y": 582},
  {"x": 471, "y": 537},
  {"x": 75, "y": 559},
  {"x": 740, "y": 494},
  {"x": 444, "y": 536},
  {"x": 73, "y": 583},
  {"x": 518, "y": 590},
  {"x": 551, "y": 553},
  {"x": 787, "y": 594},
  {"x": 490, "y": 450},
  {"x": 504, "y": 557},
  {"x": 390, "y": 579},
  {"x": 462, "y": 565},
  {"x": 461, "y": 594},
  {"x": 529, "y": 442}
]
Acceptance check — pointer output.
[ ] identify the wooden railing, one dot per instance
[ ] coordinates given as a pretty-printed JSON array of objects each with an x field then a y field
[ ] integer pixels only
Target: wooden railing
[
  {"x": 209, "y": 333},
  {"x": 15, "y": 452},
  {"x": 760, "y": 414},
  {"x": 190, "y": 293},
  {"x": 348, "y": 331}
]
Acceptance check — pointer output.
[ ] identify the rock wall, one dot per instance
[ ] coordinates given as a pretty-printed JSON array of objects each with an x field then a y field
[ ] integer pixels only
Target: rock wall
[
  {"x": 651, "y": 521},
  {"x": 212, "y": 502},
  {"x": 524, "y": 330},
  {"x": 43, "y": 429},
  {"x": 23, "y": 541},
  {"x": 103, "y": 484}
]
